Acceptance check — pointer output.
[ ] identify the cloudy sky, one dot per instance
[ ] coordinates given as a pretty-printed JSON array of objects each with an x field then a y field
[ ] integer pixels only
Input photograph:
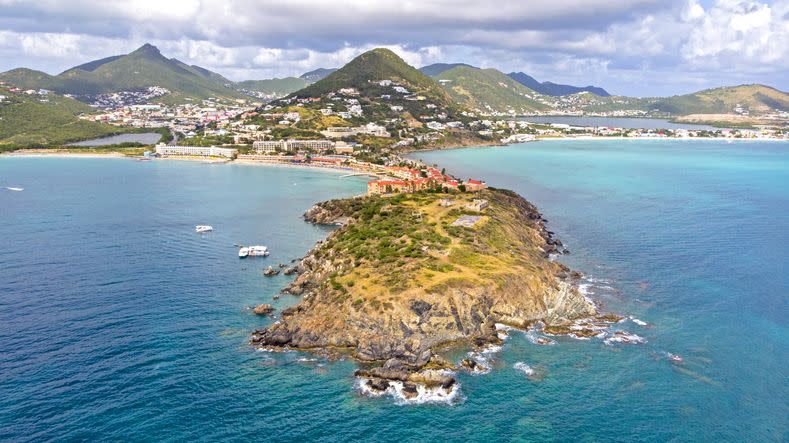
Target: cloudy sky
[{"x": 636, "y": 47}]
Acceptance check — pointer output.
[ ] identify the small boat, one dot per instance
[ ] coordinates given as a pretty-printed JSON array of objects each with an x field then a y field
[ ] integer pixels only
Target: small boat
[
  {"x": 253, "y": 251},
  {"x": 14, "y": 189},
  {"x": 675, "y": 358},
  {"x": 203, "y": 228}
]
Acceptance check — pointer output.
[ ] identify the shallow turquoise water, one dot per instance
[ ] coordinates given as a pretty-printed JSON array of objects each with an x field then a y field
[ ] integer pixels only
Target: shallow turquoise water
[{"x": 118, "y": 322}]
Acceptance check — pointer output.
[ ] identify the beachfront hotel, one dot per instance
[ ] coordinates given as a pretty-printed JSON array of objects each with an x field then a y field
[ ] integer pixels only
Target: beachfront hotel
[{"x": 202, "y": 151}]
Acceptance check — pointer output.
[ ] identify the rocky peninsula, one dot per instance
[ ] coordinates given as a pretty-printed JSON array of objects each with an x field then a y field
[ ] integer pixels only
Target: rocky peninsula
[{"x": 408, "y": 276}]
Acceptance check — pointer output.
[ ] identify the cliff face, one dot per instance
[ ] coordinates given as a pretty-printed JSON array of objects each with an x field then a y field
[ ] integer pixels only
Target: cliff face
[{"x": 403, "y": 278}]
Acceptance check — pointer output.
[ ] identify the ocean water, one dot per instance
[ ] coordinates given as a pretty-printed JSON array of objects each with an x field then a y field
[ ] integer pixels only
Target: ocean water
[{"x": 118, "y": 322}]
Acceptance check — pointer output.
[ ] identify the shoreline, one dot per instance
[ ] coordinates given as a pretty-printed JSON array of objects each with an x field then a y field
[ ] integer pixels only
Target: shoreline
[{"x": 117, "y": 154}]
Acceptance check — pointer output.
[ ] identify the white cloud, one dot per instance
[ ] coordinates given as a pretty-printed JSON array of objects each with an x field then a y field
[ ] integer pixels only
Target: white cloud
[
  {"x": 740, "y": 34},
  {"x": 613, "y": 42}
]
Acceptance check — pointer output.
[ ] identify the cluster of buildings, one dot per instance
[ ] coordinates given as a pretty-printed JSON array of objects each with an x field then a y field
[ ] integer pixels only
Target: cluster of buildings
[
  {"x": 114, "y": 100},
  {"x": 407, "y": 179},
  {"x": 185, "y": 119}
]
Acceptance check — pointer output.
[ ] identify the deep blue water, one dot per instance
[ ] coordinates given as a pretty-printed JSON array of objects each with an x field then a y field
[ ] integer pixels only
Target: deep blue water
[{"x": 118, "y": 322}]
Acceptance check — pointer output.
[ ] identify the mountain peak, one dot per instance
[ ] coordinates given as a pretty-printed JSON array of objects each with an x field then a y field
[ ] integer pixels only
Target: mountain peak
[
  {"x": 147, "y": 49},
  {"x": 371, "y": 67}
]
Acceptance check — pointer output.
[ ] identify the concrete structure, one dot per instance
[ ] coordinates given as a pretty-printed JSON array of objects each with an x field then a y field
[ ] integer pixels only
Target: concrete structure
[
  {"x": 477, "y": 204},
  {"x": 203, "y": 151}
]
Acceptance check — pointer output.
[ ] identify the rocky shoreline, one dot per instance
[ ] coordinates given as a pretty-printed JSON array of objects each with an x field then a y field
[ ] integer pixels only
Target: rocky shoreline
[{"x": 449, "y": 292}]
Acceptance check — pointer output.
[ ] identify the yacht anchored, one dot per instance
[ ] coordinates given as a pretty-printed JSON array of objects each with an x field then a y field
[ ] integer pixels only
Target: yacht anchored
[
  {"x": 253, "y": 251},
  {"x": 203, "y": 228}
]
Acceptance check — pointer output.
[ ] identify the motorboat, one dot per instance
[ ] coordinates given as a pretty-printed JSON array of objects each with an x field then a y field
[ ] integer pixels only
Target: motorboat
[
  {"x": 253, "y": 251},
  {"x": 203, "y": 228}
]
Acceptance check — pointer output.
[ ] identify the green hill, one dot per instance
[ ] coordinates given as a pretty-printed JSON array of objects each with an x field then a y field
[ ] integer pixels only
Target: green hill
[
  {"x": 489, "y": 90},
  {"x": 274, "y": 87},
  {"x": 45, "y": 120},
  {"x": 317, "y": 74},
  {"x": 138, "y": 70},
  {"x": 438, "y": 68},
  {"x": 756, "y": 99},
  {"x": 365, "y": 71}
]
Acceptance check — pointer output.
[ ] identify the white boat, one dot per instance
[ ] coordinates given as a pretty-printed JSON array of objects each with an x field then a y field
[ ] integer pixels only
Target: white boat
[
  {"x": 203, "y": 228},
  {"x": 14, "y": 189},
  {"x": 253, "y": 251}
]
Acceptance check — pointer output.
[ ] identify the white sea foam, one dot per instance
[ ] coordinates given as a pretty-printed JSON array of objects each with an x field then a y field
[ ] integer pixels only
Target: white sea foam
[
  {"x": 538, "y": 339},
  {"x": 603, "y": 281},
  {"x": 424, "y": 394},
  {"x": 623, "y": 337},
  {"x": 484, "y": 358},
  {"x": 637, "y": 321},
  {"x": 523, "y": 367}
]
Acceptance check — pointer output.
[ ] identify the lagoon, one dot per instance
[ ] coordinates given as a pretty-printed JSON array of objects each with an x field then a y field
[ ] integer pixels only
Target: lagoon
[
  {"x": 618, "y": 122},
  {"x": 145, "y": 138}
]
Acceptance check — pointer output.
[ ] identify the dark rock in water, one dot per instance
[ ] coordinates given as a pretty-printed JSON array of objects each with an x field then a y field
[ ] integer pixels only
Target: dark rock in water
[
  {"x": 270, "y": 272},
  {"x": 448, "y": 383},
  {"x": 263, "y": 309},
  {"x": 377, "y": 384},
  {"x": 282, "y": 265},
  {"x": 409, "y": 390},
  {"x": 470, "y": 365}
]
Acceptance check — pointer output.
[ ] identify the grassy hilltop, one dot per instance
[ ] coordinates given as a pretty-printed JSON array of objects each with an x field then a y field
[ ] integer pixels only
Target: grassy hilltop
[{"x": 401, "y": 280}]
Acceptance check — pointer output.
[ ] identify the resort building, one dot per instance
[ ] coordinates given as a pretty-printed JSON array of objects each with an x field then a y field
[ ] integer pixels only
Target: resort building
[
  {"x": 291, "y": 145},
  {"x": 202, "y": 151},
  {"x": 475, "y": 185},
  {"x": 345, "y": 131}
]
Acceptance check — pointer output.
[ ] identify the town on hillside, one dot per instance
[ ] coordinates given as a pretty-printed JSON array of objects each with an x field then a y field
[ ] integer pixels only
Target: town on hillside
[{"x": 371, "y": 110}]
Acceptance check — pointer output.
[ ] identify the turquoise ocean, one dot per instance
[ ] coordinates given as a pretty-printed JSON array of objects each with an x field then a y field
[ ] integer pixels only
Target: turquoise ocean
[{"x": 118, "y": 322}]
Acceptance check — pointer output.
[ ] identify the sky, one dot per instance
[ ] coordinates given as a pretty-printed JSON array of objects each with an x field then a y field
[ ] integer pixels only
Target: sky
[{"x": 636, "y": 47}]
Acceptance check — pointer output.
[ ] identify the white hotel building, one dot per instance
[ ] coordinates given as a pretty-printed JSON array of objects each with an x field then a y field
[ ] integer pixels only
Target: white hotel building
[{"x": 203, "y": 151}]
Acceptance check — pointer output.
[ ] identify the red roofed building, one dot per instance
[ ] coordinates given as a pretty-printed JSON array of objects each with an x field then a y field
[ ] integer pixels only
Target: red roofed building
[
  {"x": 475, "y": 185},
  {"x": 378, "y": 187},
  {"x": 403, "y": 172}
]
